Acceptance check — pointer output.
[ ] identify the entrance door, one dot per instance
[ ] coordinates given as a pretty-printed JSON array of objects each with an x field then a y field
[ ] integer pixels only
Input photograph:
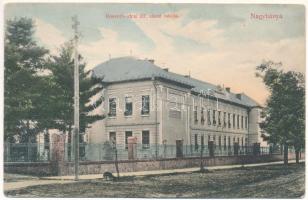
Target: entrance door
[{"x": 179, "y": 148}]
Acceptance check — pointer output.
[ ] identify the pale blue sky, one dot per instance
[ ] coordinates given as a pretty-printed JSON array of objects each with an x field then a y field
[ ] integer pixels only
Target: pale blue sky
[{"x": 215, "y": 42}]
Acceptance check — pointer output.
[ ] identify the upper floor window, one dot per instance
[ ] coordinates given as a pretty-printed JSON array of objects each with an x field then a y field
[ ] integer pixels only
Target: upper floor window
[
  {"x": 202, "y": 116},
  {"x": 246, "y": 122},
  {"x": 219, "y": 118},
  {"x": 209, "y": 117},
  {"x": 233, "y": 124},
  {"x": 214, "y": 117},
  {"x": 225, "y": 119},
  {"x": 145, "y": 105},
  {"x": 112, "y": 107},
  {"x": 229, "y": 120},
  {"x": 128, "y": 106},
  {"x": 242, "y": 122},
  {"x": 238, "y": 121},
  {"x": 145, "y": 139},
  {"x": 196, "y": 114}
]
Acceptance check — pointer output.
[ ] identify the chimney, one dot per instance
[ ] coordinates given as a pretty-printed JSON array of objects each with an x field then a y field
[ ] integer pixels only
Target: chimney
[
  {"x": 166, "y": 69},
  {"x": 239, "y": 96},
  {"x": 151, "y": 60},
  {"x": 228, "y": 89}
]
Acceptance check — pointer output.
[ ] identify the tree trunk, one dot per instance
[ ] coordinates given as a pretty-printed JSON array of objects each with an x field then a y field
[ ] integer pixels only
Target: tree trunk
[
  {"x": 297, "y": 156},
  {"x": 116, "y": 163},
  {"x": 285, "y": 154}
]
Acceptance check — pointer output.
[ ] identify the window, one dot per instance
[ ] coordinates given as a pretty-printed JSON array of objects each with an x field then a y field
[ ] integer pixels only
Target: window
[
  {"x": 233, "y": 121},
  {"x": 225, "y": 142},
  {"x": 175, "y": 114},
  {"x": 202, "y": 116},
  {"x": 208, "y": 139},
  {"x": 209, "y": 117},
  {"x": 196, "y": 114},
  {"x": 112, "y": 107},
  {"x": 127, "y": 134},
  {"x": 242, "y": 142},
  {"x": 219, "y": 118},
  {"x": 246, "y": 122},
  {"x": 145, "y": 139},
  {"x": 229, "y": 141},
  {"x": 196, "y": 142},
  {"x": 238, "y": 140},
  {"x": 238, "y": 121},
  {"x": 145, "y": 105},
  {"x": 128, "y": 106},
  {"x": 214, "y": 140},
  {"x": 242, "y": 122},
  {"x": 225, "y": 119},
  {"x": 202, "y": 141},
  {"x": 229, "y": 120},
  {"x": 233, "y": 140},
  {"x": 214, "y": 117},
  {"x": 46, "y": 141},
  {"x": 113, "y": 138},
  {"x": 219, "y": 142}
]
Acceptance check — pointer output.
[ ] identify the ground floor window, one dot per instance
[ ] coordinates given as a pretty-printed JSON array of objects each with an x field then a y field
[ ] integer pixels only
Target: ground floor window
[
  {"x": 196, "y": 142},
  {"x": 127, "y": 134},
  {"x": 145, "y": 139},
  {"x": 229, "y": 141},
  {"x": 113, "y": 138}
]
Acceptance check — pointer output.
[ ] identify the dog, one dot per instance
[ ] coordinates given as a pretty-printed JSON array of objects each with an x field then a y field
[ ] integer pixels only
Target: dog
[{"x": 109, "y": 176}]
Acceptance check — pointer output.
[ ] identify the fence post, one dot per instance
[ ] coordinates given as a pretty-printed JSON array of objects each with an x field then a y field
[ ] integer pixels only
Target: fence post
[{"x": 57, "y": 152}]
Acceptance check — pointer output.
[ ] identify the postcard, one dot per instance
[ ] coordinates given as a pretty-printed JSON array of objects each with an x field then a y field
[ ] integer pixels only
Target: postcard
[{"x": 154, "y": 100}]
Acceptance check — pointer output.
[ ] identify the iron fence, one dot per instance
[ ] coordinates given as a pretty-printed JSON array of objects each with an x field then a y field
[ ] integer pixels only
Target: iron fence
[
  {"x": 36, "y": 152},
  {"x": 26, "y": 152}
]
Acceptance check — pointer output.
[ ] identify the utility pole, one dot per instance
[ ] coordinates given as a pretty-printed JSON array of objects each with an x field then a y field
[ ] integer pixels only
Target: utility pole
[{"x": 76, "y": 98}]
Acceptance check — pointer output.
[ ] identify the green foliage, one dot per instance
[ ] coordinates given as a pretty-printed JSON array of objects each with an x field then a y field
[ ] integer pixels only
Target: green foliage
[
  {"x": 284, "y": 114},
  {"x": 23, "y": 60},
  {"x": 39, "y": 88},
  {"x": 62, "y": 70}
]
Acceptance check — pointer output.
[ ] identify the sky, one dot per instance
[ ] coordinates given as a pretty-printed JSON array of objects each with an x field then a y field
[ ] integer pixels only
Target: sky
[{"x": 218, "y": 43}]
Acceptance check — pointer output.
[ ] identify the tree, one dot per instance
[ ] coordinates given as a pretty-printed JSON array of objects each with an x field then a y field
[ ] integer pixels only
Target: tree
[
  {"x": 284, "y": 113},
  {"x": 23, "y": 60},
  {"x": 62, "y": 105}
]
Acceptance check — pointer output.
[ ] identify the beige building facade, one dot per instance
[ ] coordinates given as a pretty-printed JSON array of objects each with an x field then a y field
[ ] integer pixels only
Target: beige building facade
[{"x": 160, "y": 107}]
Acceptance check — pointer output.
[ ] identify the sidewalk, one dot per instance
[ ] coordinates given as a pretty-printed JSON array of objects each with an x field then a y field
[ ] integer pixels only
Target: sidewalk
[
  {"x": 70, "y": 179},
  {"x": 166, "y": 171}
]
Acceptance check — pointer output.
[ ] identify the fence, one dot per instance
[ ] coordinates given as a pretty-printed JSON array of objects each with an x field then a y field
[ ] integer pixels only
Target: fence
[
  {"x": 26, "y": 152},
  {"x": 35, "y": 152}
]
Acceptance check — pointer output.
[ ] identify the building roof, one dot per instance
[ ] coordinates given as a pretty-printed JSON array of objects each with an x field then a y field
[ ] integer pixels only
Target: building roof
[{"x": 130, "y": 68}]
